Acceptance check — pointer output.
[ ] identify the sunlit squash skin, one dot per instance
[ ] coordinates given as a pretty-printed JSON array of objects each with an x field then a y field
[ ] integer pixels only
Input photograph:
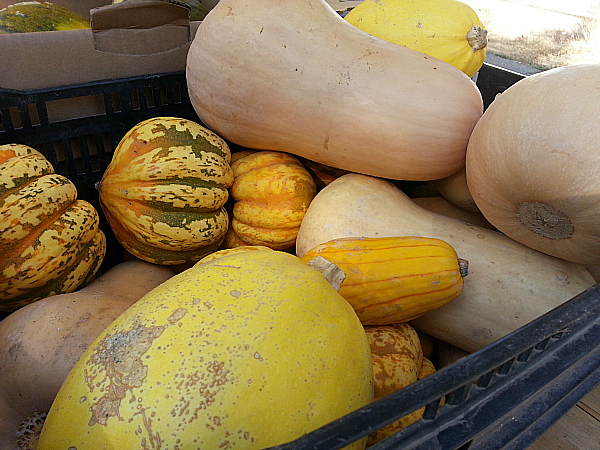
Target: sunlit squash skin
[
  {"x": 50, "y": 242},
  {"x": 246, "y": 350},
  {"x": 28, "y": 17},
  {"x": 294, "y": 76},
  {"x": 532, "y": 163},
  {"x": 394, "y": 279},
  {"x": 449, "y": 30},
  {"x": 272, "y": 191},
  {"x": 526, "y": 283},
  {"x": 164, "y": 191}
]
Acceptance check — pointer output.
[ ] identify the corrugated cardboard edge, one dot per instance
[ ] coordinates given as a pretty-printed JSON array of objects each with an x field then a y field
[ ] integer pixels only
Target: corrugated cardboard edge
[
  {"x": 59, "y": 58},
  {"x": 140, "y": 27}
]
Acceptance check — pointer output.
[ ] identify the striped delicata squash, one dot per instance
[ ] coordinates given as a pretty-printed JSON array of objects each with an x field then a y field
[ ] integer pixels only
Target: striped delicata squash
[
  {"x": 164, "y": 191},
  {"x": 50, "y": 242},
  {"x": 392, "y": 279}
]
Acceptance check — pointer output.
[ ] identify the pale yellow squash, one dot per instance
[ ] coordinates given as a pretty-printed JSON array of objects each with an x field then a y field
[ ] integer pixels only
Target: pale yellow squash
[
  {"x": 440, "y": 205},
  {"x": 508, "y": 284},
  {"x": 455, "y": 189},
  {"x": 446, "y": 29},
  {"x": 247, "y": 350}
]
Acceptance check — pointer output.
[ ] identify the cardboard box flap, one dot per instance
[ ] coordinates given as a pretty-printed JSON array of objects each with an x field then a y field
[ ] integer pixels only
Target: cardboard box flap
[{"x": 143, "y": 27}]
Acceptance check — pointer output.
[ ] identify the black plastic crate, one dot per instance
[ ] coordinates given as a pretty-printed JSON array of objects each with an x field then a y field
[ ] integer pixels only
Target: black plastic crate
[
  {"x": 501, "y": 397},
  {"x": 81, "y": 148}
]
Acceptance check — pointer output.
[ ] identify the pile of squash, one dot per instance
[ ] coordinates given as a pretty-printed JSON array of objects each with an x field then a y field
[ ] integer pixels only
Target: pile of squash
[{"x": 267, "y": 291}]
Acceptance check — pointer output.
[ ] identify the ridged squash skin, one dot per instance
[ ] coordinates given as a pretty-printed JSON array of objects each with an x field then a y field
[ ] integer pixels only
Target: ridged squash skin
[
  {"x": 398, "y": 361},
  {"x": 50, "y": 242},
  {"x": 294, "y": 76},
  {"x": 272, "y": 191},
  {"x": 394, "y": 279},
  {"x": 445, "y": 29},
  {"x": 164, "y": 192},
  {"x": 246, "y": 350}
]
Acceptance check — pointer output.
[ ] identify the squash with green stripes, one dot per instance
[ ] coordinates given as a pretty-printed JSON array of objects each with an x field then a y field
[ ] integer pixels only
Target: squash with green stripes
[
  {"x": 164, "y": 191},
  {"x": 29, "y": 17},
  {"x": 50, "y": 242}
]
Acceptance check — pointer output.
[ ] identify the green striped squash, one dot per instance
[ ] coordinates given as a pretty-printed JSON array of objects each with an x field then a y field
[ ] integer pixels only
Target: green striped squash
[
  {"x": 50, "y": 242},
  {"x": 32, "y": 16},
  {"x": 164, "y": 192}
]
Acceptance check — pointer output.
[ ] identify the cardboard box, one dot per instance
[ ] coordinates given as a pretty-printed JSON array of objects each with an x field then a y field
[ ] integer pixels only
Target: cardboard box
[{"x": 126, "y": 39}]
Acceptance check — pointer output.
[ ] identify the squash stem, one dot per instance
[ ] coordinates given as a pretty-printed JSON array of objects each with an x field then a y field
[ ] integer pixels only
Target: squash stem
[
  {"x": 463, "y": 266},
  {"x": 477, "y": 38},
  {"x": 334, "y": 275}
]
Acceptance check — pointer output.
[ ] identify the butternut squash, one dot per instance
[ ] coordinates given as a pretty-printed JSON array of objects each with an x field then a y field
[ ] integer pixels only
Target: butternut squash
[
  {"x": 40, "y": 343},
  {"x": 508, "y": 285},
  {"x": 440, "y": 205},
  {"x": 294, "y": 76},
  {"x": 532, "y": 162},
  {"x": 455, "y": 189}
]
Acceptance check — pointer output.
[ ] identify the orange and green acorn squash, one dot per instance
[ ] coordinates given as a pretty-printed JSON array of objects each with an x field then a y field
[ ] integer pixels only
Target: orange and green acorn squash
[
  {"x": 28, "y": 17},
  {"x": 50, "y": 242},
  {"x": 164, "y": 191}
]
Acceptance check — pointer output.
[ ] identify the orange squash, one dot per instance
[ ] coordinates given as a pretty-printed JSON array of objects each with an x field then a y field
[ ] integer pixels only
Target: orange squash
[
  {"x": 398, "y": 361},
  {"x": 272, "y": 191}
]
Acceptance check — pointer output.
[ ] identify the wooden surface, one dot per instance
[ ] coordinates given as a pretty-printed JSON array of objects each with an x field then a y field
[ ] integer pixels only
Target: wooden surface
[{"x": 579, "y": 429}]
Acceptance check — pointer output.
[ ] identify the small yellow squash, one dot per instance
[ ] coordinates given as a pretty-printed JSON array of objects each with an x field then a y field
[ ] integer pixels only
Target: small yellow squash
[
  {"x": 449, "y": 30},
  {"x": 272, "y": 191},
  {"x": 246, "y": 350},
  {"x": 393, "y": 279}
]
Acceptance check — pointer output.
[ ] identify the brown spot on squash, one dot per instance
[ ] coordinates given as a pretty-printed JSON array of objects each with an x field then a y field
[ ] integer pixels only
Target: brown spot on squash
[{"x": 118, "y": 363}]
